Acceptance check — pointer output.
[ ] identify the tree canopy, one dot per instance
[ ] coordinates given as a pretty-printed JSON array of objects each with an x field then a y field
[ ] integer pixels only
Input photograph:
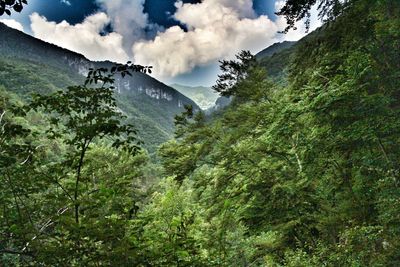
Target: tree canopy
[{"x": 299, "y": 172}]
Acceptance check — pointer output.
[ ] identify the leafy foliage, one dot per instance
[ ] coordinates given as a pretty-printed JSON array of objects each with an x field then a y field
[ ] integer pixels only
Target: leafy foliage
[
  {"x": 305, "y": 166},
  {"x": 6, "y": 6},
  {"x": 233, "y": 72},
  {"x": 297, "y": 173},
  {"x": 295, "y": 10},
  {"x": 147, "y": 103}
]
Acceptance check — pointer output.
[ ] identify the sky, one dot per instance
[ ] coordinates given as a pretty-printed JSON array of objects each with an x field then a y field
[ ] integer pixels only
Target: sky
[{"x": 182, "y": 39}]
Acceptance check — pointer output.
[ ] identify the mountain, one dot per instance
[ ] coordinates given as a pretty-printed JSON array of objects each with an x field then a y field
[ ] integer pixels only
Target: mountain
[
  {"x": 30, "y": 65},
  {"x": 205, "y": 97},
  {"x": 275, "y": 48},
  {"x": 276, "y": 58}
]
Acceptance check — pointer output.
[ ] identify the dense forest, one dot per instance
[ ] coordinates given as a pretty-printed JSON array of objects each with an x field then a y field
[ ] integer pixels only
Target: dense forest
[{"x": 300, "y": 169}]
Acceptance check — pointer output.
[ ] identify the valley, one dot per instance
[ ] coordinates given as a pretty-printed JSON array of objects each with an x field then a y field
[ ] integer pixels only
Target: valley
[
  {"x": 29, "y": 65},
  {"x": 290, "y": 159}
]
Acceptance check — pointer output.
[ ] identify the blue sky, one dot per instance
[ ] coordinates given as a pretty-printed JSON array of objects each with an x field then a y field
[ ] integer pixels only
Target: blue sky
[
  {"x": 183, "y": 40},
  {"x": 74, "y": 11}
]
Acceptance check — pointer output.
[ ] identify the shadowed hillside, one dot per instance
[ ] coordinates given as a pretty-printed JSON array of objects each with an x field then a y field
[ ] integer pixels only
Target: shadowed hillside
[{"x": 149, "y": 104}]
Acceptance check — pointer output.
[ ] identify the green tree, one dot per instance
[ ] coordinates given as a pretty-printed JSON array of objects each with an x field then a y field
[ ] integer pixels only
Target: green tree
[
  {"x": 55, "y": 203},
  {"x": 329, "y": 10},
  {"x": 309, "y": 168},
  {"x": 81, "y": 114},
  {"x": 233, "y": 72},
  {"x": 17, "y": 159}
]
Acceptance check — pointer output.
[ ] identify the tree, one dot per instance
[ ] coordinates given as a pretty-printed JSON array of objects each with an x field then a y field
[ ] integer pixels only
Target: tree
[
  {"x": 233, "y": 72},
  {"x": 295, "y": 10},
  {"x": 7, "y": 5},
  {"x": 81, "y": 114},
  {"x": 17, "y": 160},
  {"x": 310, "y": 167},
  {"x": 80, "y": 117}
]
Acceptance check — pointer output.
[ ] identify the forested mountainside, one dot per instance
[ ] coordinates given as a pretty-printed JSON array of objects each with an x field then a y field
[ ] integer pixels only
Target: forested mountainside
[
  {"x": 277, "y": 58},
  {"x": 29, "y": 65},
  {"x": 304, "y": 170},
  {"x": 275, "y": 48},
  {"x": 300, "y": 169}
]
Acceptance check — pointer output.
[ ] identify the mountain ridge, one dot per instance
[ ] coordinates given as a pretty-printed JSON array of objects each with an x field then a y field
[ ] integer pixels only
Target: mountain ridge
[{"x": 148, "y": 103}]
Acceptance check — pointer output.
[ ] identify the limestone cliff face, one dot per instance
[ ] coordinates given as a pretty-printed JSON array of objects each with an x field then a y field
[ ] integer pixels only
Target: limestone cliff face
[
  {"x": 79, "y": 64},
  {"x": 138, "y": 84},
  {"x": 148, "y": 103},
  {"x": 14, "y": 43},
  {"x": 141, "y": 85}
]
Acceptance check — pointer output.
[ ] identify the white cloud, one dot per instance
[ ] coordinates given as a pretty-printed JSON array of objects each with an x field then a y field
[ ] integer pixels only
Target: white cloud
[
  {"x": 279, "y": 4},
  {"x": 216, "y": 29},
  {"x": 66, "y": 2},
  {"x": 128, "y": 18},
  {"x": 84, "y": 38},
  {"x": 13, "y": 24}
]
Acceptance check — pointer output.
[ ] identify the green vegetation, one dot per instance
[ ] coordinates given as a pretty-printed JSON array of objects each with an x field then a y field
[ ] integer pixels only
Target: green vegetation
[
  {"x": 301, "y": 169},
  {"x": 29, "y": 65},
  {"x": 277, "y": 61}
]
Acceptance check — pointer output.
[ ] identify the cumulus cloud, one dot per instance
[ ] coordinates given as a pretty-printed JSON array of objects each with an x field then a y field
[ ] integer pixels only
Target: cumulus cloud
[
  {"x": 128, "y": 18},
  {"x": 84, "y": 38},
  {"x": 13, "y": 24},
  {"x": 216, "y": 29}
]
